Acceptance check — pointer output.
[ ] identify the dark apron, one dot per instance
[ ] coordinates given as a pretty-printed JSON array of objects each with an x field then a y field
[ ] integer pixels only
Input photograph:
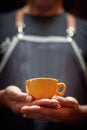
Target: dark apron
[{"x": 56, "y": 59}]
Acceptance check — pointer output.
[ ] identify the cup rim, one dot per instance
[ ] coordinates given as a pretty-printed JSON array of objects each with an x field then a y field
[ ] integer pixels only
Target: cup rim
[{"x": 49, "y": 78}]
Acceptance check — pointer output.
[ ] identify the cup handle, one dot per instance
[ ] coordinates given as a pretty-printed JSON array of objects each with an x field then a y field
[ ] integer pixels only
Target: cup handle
[
  {"x": 27, "y": 85},
  {"x": 61, "y": 86}
]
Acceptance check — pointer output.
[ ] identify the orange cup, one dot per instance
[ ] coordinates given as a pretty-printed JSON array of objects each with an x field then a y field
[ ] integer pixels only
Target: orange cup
[{"x": 44, "y": 87}]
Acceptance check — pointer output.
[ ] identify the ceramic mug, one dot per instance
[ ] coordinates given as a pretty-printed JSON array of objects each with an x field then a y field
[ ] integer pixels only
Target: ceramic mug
[{"x": 44, "y": 87}]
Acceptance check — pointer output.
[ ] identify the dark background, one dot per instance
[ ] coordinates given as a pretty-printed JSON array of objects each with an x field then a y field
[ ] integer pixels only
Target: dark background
[
  {"x": 76, "y": 7},
  {"x": 9, "y": 5}
]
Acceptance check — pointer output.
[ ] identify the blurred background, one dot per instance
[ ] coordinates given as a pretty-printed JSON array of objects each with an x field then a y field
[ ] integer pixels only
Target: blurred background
[{"x": 76, "y": 7}]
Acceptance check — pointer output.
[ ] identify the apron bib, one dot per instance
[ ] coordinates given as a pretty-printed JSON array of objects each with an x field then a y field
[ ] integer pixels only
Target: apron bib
[{"x": 54, "y": 57}]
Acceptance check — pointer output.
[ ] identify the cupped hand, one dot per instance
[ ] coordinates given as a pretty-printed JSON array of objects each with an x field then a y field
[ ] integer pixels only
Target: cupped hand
[
  {"x": 57, "y": 109},
  {"x": 15, "y": 99}
]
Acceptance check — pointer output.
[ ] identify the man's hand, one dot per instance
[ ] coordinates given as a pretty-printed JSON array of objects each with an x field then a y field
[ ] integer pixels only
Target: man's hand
[
  {"x": 13, "y": 98},
  {"x": 57, "y": 109}
]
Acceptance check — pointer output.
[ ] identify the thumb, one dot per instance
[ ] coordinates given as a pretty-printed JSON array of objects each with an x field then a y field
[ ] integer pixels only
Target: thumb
[
  {"x": 24, "y": 97},
  {"x": 67, "y": 102},
  {"x": 16, "y": 94}
]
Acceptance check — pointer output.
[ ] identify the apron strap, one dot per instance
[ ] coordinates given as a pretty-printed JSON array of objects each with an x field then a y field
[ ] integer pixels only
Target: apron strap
[{"x": 71, "y": 24}]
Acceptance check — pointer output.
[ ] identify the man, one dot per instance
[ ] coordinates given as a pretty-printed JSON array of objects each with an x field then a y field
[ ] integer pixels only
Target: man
[{"x": 46, "y": 42}]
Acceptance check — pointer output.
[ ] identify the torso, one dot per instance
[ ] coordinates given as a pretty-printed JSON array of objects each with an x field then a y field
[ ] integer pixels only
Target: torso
[{"x": 44, "y": 52}]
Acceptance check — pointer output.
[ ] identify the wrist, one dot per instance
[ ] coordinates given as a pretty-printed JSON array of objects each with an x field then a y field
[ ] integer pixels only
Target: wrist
[
  {"x": 83, "y": 110},
  {"x": 2, "y": 98}
]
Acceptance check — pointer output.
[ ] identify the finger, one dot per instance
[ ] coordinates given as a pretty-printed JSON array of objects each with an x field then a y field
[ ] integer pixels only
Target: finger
[
  {"x": 45, "y": 102},
  {"x": 41, "y": 117},
  {"x": 42, "y": 113},
  {"x": 39, "y": 109},
  {"x": 23, "y": 97},
  {"x": 72, "y": 99}
]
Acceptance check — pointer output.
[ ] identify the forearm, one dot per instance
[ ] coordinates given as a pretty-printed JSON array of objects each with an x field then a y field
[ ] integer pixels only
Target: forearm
[
  {"x": 2, "y": 98},
  {"x": 83, "y": 109}
]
